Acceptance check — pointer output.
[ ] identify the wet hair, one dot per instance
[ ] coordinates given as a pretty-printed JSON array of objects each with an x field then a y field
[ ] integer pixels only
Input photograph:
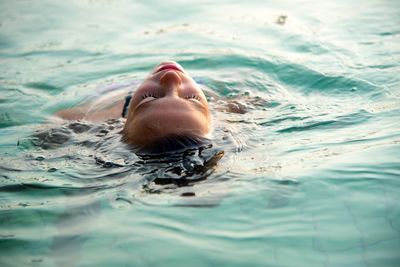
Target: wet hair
[{"x": 173, "y": 143}]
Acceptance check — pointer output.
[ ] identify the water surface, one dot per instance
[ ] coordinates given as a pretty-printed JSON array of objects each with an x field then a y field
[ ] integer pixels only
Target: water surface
[{"x": 308, "y": 176}]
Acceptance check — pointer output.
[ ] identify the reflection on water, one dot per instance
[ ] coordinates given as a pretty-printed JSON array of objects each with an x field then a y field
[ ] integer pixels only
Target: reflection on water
[
  {"x": 304, "y": 164},
  {"x": 106, "y": 157}
]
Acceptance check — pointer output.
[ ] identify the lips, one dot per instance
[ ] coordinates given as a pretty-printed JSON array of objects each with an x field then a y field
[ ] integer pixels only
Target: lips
[{"x": 169, "y": 66}]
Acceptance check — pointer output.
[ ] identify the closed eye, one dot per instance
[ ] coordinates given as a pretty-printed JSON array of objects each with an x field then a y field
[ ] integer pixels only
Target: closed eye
[
  {"x": 149, "y": 94},
  {"x": 195, "y": 97},
  {"x": 147, "y": 97}
]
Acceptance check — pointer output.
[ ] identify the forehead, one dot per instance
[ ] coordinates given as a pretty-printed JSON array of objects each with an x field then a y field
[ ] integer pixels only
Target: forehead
[{"x": 167, "y": 116}]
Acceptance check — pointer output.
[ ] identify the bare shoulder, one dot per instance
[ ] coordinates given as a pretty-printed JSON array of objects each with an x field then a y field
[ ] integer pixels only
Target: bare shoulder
[{"x": 104, "y": 108}]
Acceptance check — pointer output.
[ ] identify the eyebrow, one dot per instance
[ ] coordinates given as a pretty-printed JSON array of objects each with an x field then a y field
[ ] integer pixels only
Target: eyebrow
[
  {"x": 200, "y": 106},
  {"x": 203, "y": 105},
  {"x": 137, "y": 107}
]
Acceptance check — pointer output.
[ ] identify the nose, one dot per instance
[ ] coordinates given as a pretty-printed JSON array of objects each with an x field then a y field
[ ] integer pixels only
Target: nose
[{"x": 171, "y": 83}]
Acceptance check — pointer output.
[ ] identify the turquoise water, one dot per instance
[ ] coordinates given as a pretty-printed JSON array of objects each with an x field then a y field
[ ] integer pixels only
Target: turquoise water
[{"x": 309, "y": 175}]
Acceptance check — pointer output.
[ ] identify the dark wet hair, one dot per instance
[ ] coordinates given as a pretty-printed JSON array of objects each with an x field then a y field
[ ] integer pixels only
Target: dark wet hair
[{"x": 173, "y": 143}]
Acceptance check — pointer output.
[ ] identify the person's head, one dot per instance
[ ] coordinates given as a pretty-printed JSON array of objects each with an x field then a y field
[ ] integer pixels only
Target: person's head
[{"x": 167, "y": 103}]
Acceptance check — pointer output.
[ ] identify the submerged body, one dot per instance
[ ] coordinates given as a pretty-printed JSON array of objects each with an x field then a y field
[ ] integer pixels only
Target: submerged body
[{"x": 167, "y": 103}]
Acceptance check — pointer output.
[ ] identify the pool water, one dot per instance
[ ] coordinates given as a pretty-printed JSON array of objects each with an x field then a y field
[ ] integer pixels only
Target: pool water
[{"x": 309, "y": 175}]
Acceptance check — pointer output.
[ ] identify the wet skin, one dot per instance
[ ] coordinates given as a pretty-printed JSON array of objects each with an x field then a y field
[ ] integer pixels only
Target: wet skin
[{"x": 168, "y": 102}]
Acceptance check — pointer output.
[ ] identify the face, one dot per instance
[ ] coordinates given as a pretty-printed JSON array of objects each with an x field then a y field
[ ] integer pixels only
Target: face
[{"x": 168, "y": 102}]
